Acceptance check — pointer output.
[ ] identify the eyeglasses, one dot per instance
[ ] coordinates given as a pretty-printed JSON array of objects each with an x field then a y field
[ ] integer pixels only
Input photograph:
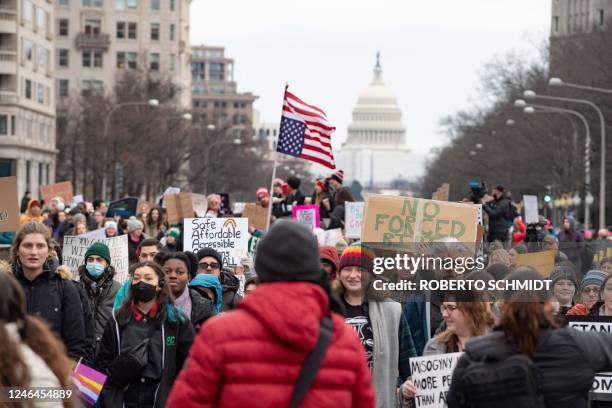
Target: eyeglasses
[
  {"x": 212, "y": 265},
  {"x": 590, "y": 290},
  {"x": 448, "y": 308}
]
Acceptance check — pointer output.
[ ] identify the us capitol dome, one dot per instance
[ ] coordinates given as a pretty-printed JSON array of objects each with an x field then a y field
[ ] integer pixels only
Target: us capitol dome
[{"x": 375, "y": 152}]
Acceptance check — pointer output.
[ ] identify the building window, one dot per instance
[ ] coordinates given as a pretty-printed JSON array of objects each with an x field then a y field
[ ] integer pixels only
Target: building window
[
  {"x": 28, "y": 174},
  {"x": 93, "y": 27},
  {"x": 62, "y": 87},
  {"x": 63, "y": 27},
  {"x": 28, "y": 48},
  {"x": 28, "y": 10},
  {"x": 40, "y": 93},
  {"x": 172, "y": 32},
  {"x": 92, "y": 59},
  {"x": 92, "y": 3},
  {"x": 91, "y": 87},
  {"x": 40, "y": 174},
  {"x": 41, "y": 56},
  {"x": 63, "y": 57},
  {"x": 132, "y": 30},
  {"x": 602, "y": 20},
  {"x": 215, "y": 71},
  {"x": 172, "y": 5},
  {"x": 155, "y": 31},
  {"x": 126, "y": 4},
  {"x": 41, "y": 19},
  {"x": 154, "y": 61},
  {"x": 120, "y": 30},
  {"x": 127, "y": 60},
  {"x": 48, "y": 167},
  {"x": 4, "y": 124},
  {"x": 62, "y": 2},
  {"x": 7, "y": 168},
  {"x": 172, "y": 62},
  {"x": 556, "y": 23},
  {"x": 154, "y": 4},
  {"x": 28, "y": 89}
]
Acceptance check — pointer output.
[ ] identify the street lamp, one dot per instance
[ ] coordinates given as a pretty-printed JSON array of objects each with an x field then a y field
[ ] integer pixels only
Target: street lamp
[
  {"x": 187, "y": 116},
  {"x": 559, "y": 82},
  {"x": 237, "y": 142},
  {"x": 510, "y": 122},
  {"x": 154, "y": 103},
  {"x": 210, "y": 126},
  {"x": 529, "y": 94}
]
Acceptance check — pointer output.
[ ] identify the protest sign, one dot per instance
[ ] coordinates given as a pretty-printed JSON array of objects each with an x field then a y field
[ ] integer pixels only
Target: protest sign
[
  {"x": 531, "y": 209},
  {"x": 353, "y": 219},
  {"x": 73, "y": 253},
  {"x": 126, "y": 207},
  {"x": 441, "y": 194},
  {"x": 9, "y": 206},
  {"x": 389, "y": 219},
  {"x": 77, "y": 199},
  {"x": 432, "y": 376},
  {"x": 239, "y": 208},
  {"x": 169, "y": 191},
  {"x": 602, "y": 384},
  {"x": 543, "y": 261},
  {"x": 257, "y": 215},
  {"x": 307, "y": 215},
  {"x": 200, "y": 204},
  {"x": 63, "y": 189},
  {"x": 179, "y": 206},
  {"x": 229, "y": 236},
  {"x": 99, "y": 233},
  {"x": 330, "y": 237}
]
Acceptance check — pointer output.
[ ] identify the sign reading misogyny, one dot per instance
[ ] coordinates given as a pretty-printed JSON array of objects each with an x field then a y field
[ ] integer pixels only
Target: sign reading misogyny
[
  {"x": 228, "y": 236},
  {"x": 432, "y": 376},
  {"x": 390, "y": 219}
]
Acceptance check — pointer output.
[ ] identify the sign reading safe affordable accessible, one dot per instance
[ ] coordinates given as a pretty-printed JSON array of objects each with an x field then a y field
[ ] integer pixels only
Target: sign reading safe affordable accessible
[
  {"x": 228, "y": 236},
  {"x": 392, "y": 219}
]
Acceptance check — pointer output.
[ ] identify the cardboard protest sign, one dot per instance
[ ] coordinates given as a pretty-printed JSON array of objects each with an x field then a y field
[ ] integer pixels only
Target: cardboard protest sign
[
  {"x": 432, "y": 376},
  {"x": 9, "y": 204},
  {"x": 200, "y": 204},
  {"x": 126, "y": 207},
  {"x": 179, "y": 206},
  {"x": 257, "y": 215},
  {"x": 330, "y": 237},
  {"x": 543, "y": 261},
  {"x": 307, "y": 215},
  {"x": 602, "y": 384},
  {"x": 390, "y": 219},
  {"x": 353, "y": 219},
  {"x": 441, "y": 194},
  {"x": 229, "y": 236},
  {"x": 531, "y": 209},
  {"x": 74, "y": 249},
  {"x": 63, "y": 189}
]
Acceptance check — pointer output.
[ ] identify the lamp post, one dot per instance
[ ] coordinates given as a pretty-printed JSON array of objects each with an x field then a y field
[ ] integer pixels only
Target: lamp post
[
  {"x": 602, "y": 182},
  {"x": 206, "y": 157},
  {"x": 531, "y": 109},
  {"x": 154, "y": 103},
  {"x": 560, "y": 82}
]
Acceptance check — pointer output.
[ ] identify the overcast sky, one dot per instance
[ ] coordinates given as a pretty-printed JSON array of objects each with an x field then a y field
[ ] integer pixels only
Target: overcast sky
[{"x": 431, "y": 51}]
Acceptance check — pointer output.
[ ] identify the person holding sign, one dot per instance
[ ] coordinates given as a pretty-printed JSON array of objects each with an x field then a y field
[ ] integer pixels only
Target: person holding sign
[
  {"x": 145, "y": 344},
  {"x": 379, "y": 322},
  {"x": 547, "y": 365}
]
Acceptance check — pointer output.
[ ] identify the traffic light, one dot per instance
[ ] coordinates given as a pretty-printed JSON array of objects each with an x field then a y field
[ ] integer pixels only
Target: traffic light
[{"x": 547, "y": 198}]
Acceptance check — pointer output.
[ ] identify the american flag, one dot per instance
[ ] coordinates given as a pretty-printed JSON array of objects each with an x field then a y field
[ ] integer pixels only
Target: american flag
[{"x": 305, "y": 132}]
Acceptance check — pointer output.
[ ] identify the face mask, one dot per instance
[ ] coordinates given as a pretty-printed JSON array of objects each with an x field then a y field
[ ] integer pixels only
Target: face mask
[
  {"x": 143, "y": 292},
  {"x": 94, "y": 269}
]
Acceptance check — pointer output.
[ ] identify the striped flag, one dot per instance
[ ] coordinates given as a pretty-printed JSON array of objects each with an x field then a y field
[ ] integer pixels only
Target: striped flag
[
  {"x": 89, "y": 383},
  {"x": 305, "y": 132}
]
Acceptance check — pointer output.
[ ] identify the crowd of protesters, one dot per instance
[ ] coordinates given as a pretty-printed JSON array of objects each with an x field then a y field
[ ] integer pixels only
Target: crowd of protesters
[{"x": 298, "y": 324}]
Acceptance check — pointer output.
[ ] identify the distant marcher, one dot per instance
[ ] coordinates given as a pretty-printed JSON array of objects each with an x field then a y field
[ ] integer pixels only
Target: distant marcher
[
  {"x": 148, "y": 249},
  {"x": 589, "y": 290},
  {"x": 33, "y": 213},
  {"x": 135, "y": 237},
  {"x": 341, "y": 197},
  {"x": 25, "y": 200},
  {"x": 499, "y": 210},
  {"x": 110, "y": 229},
  {"x": 211, "y": 262}
]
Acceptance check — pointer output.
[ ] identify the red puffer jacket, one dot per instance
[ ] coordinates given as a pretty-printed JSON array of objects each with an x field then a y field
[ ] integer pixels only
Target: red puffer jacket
[{"x": 251, "y": 357}]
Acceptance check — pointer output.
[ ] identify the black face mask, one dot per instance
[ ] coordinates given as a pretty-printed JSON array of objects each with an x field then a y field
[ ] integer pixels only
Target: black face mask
[{"x": 143, "y": 292}]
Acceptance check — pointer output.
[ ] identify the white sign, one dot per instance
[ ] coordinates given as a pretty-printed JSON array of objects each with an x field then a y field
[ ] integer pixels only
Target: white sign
[
  {"x": 531, "y": 209},
  {"x": 74, "y": 249},
  {"x": 599, "y": 327},
  {"x": 432, "y": 377},
  {"x": 76, "y": 200},
  {"x": 353, "y": 219},
  {"x": 200, "y": 204},
  {"x": 228, "y": 236},
  {"x": 238, "y": 208},
  {"x": 99, "y": 233},
  {"x": 330, "y": 237}
]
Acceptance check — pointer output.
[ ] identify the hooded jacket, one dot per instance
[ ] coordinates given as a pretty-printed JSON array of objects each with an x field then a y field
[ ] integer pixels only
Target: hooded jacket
[
  {"x": 252, "y": 356},
  {"x": 212, "y": 282},
  {"x": 571, "y": 243},
  {"x": 28, "y": 216},
  {"x": 566, "y": 359},
  {"x": 498, "y": 210}
]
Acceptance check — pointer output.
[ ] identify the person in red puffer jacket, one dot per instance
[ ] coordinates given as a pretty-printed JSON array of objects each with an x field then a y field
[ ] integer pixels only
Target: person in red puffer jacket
[{"x": 252, "y": 356}]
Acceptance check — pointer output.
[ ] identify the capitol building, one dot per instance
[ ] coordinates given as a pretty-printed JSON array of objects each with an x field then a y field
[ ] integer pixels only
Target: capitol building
[{"x": 375, "y": 152}]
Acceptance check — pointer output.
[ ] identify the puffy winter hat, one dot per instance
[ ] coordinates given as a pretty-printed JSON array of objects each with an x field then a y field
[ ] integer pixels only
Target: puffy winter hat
[
  {"x": 134, "y": 224},
  {"x": 110, "y": 224},
  {"x": 287, "y": 253},
  {"x": 330, "y": 254},
  {"x": 262, "y": 192},
  {"x": 356, "y": 255},
  {"x": 338, "y": 176},
  {"x": 78, "y": 218},
  {"x": 174, "y": 232},
  {"x": 99, "y": 249},
  {"x": 212, "y": 253},
  {"x": 593, "y": 277},
  {"x": 563, "y": 272}
]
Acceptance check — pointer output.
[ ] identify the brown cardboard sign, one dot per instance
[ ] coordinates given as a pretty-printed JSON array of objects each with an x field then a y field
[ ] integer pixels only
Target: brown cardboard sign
[
  {"x": 257, "y": 215},
  {"x": 179, "y": 206},
  {"x": 543, "y": 261},
  {"x": 9, "y": 204},
  {"x": 63, "y": 189}
]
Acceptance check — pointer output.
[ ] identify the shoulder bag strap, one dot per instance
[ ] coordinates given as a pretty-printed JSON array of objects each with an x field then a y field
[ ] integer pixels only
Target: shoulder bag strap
[{"x": 312, "y": 363}]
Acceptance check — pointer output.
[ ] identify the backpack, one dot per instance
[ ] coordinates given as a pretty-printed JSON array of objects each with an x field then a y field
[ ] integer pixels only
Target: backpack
[{"x": 512, "y": 382}]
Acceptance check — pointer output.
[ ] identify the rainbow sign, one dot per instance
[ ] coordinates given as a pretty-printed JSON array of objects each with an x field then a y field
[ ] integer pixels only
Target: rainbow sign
[{"x": 89, "y": 383}]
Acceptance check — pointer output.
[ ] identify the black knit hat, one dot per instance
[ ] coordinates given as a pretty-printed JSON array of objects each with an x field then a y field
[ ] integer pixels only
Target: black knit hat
[
  {"x": 288, "y": 252},
  {"x": 212, "y": 253}
]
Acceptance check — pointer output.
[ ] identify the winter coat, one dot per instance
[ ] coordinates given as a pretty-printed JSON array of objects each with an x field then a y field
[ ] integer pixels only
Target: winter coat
[
  {"x": 28, "y": 216},
  {"x": 229, "y": 285},
  {"x": 101, "y": 295},
  {"x": 572, "y": 244},
  {"x": 323, "y": 211},
  {"x": 40, "y": 373},
  {"x": 498, "y": 210},
  {"x": 168, "y": 349},
  {"x": 132, "y": 248},
  {"x": 57, "y": 301},
  {"x": 212, "y": 282},
  {"x": 567, "y": 360},
  {"x": 336, "y": 217},
  {"x": 201, "y": 309},
  {"x": 252, "y": 356}
]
